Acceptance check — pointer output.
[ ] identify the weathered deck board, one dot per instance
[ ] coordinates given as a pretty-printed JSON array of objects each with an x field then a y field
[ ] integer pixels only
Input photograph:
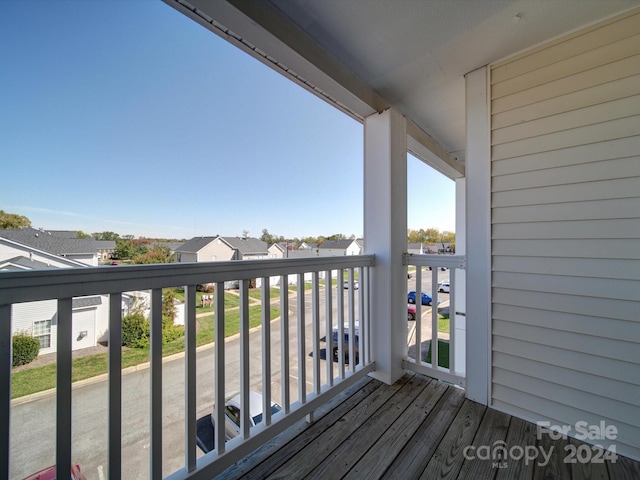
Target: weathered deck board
[
  {"x": 333, "y": 436},
  {"x": 416, "y": 428},
  {"x": 492, "y": 431},
  {"x": 448, "y": 458},
  {"x": 413, "y": 459},
  {"x": 591, "y": 470},
  {"x": 624, "y": 469},
  {"x": 553, "y": 466},
  {"x": 342, "y": 459},
  {"x": 521, "y": 434},
  {"x": 373, "y": 464}
]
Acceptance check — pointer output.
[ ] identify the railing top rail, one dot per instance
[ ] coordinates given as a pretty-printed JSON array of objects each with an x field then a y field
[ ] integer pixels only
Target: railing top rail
[
  {"x": 421, "y": 260},
  {"x": 34, "y": 285}
]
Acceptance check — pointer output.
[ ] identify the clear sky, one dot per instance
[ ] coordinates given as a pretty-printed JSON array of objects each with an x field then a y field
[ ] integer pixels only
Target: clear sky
[{"x": 126, "y": 116}]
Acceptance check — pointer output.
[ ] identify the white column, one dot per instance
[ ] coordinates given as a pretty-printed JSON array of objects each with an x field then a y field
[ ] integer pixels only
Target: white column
[
  {"x": 478, "y": 232},
  {"x": 461, "y": 279},
  {"x": 385, "y": 236}
]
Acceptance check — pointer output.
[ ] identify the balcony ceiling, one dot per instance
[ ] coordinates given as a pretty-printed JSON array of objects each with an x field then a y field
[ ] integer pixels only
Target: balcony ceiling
[{"x": 367, "y": 55}]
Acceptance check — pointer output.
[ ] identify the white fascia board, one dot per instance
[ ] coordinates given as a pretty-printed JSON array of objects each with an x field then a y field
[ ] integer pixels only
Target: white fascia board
[
  {"x": 421, "y": 145},
  {"x": 262, "y": 32}
]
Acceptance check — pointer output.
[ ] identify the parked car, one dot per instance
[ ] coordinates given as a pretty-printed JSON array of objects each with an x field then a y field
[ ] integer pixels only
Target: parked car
[
  {"x": 444, "y": 286},
  {"x": 426, "y": 299},
  {"x": 411, "y": 312},
  {"x": 345, "y": 342},
  {"x": 232, "y": 413},
  {"x": 345, "y": 285},
  {"x": 49, "y": 473}
]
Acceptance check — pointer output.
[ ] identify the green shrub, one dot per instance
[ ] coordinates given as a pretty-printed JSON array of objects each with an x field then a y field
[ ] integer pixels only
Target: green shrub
[
  {"x": 170, "y": 333},
  {"x": 25, "y": 349},
  {"x": 135, "y": 331}
]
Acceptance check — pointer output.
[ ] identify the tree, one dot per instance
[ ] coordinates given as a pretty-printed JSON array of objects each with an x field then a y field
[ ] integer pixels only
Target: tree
[
  {"x": 448, "y": 237},
  {"x": 157, "y": 254},
  {"x": 81, "y": 234},
  {"x": 336, "y": 236},
  {"x": 266, "y": 236},
  {"x": 126, "y": 249},
  {"x": 12, "y": 220},
  {"x": 430, "y": 235},
  {"x": 433, "y": 235},
  {"x": 106, "y": 236}
]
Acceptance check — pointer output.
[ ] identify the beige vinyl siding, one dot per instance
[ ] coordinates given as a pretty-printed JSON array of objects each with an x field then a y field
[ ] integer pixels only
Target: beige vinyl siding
[{"x": 565, "y": 200}]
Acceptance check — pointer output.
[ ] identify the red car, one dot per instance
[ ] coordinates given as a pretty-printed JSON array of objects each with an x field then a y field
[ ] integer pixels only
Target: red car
[
  {"x": 411, "y": 312},
  {"x": 50, "y": 474}
]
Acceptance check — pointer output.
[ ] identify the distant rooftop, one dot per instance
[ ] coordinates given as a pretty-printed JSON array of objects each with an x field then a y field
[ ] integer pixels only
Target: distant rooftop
[{"x": 48, "y": 242}]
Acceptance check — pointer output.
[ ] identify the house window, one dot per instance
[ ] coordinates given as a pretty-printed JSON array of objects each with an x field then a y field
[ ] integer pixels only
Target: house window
[{"x": 42, "y": 331}]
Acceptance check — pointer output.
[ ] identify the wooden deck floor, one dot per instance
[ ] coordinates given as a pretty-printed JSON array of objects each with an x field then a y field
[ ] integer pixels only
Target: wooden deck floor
[{"x": 416, "y": 428}]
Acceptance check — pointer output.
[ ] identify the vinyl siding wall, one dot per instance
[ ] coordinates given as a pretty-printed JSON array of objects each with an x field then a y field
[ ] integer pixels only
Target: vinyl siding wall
[{"x": 565, "y": 126}]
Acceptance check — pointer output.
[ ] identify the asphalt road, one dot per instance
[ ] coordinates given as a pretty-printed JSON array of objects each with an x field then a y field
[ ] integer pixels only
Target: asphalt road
[{"x": 33, "y": 423}]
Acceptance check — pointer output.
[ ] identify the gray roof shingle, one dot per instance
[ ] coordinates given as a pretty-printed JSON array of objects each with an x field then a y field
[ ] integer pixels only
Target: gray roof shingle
[
  {"x": 248, "y": 245},
  {"x": 195, "y": 244},
  {"x": 344, "y": 244},
  {"x": 43, "y": 240},
  {"x": 25, "y": 262}
]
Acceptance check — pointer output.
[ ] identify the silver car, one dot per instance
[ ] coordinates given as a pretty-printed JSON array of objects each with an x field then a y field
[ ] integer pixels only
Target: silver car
[{"x": 232, "y": 413}]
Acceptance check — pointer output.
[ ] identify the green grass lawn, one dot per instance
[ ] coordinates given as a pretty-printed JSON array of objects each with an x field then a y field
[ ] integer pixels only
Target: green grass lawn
[
  {"x": 38, "y": 379},
  {"x": 443, "y": 354},
  {"x": 294, "y": 286},
  {"x": 230, "y": 300},
  {"x": 443, "y": 323},
  {"x": 256, "y": 293}
]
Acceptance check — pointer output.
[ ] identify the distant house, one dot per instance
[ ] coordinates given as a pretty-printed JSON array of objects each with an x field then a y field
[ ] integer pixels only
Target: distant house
[
  {"x": 277, "y": 250},
  {"x": 106, "y": 249},
  {"x": 246, "y": 248},
  {"x": 198, "y": 249},
  {"x": 81, "y": 249},
  {"x": 212, "y": 249},
  {"x": 332, "y": 248},
  {"x": 39, "y": 319}
]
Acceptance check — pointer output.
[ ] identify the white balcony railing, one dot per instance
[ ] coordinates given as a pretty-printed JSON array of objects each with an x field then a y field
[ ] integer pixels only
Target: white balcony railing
[
  {"x": 319, "y": 306},
  {"x": 425, "y": 337}
]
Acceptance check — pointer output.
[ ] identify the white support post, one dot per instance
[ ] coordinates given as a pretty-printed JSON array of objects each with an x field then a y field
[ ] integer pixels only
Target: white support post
[
  {"x": 457, "y": 299},
  {"x": 385, "y": 236},
  {"x": 478, "y": 231}
]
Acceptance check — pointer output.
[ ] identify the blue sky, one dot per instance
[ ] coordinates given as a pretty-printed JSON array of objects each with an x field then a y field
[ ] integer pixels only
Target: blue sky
[{"x": 126, "y": 116}]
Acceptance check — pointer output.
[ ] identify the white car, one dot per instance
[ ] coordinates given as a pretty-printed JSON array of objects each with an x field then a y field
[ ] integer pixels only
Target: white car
[
  {"x": 345, "y": 285},
  {"x": 444, "y": 287},
  {"x": 232, "y": 412}
]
